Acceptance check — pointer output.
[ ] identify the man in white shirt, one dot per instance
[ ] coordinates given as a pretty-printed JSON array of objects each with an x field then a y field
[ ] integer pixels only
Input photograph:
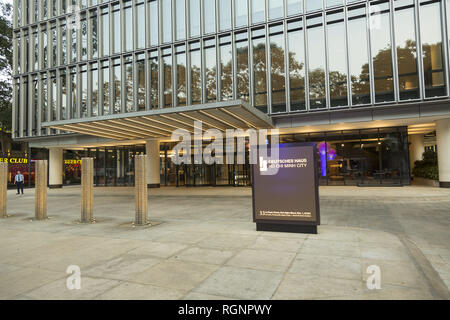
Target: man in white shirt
[{"x": 19, "y": 182}]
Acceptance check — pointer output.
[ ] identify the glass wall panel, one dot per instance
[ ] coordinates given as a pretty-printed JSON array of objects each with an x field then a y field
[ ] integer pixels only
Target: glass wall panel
[
  {"x": 194, "y": 18},
  {"x": 84, "y": 35},
  {"x": 259, "y": 69},
  {"x": 209, "y": 15},
  {"x": 35, "y": 49},
  {"x": 277, "y": 68},
  {"x": 316, "y": 62},
  {"x": 337, "y": 59},
  {"x": 258, "y": 11},
  {"x": 225, "y": 14},
  {"x": 381, "y": 53},
  {"x": 73, "y": 92},
  {"x": 166, "y": 20},
  {"x": 196, "y": 73},
  {"x": 105, "y": 32},
  {"x": 405, "y": 38},
  {"x": 83, "y": 86},
  {"x": 294, "y": 7},
  {"x": 34, "y": 126},
  {"x": 154, "y": 22},
  {"x": 73, "y": 32},
  {"x": 210, "y": 70},
  {"x": 140, "y": 17},
  {"x": 140, "y": 90},
  {"x": 106, "y": 88},
  {"x": 431, "y": 36},
  {"x": 167, "y": 77},
  {"x": 117, "y": 80},
  {"x": 128, "y": 23},
  {"x": 128, "y": 83},
  {"x": 276, "y": 9},
  {"x": 94, "y": 35},
  {"x": 181, "y": 75},
  {"x": 94, "y": 89},
  {"x": 243, "y": 71},
  {"x": 296, "y": 65},
  {"x": 19, "y": 56},
  {"x": 332, "y": 3},
  {"x": 313, "y": 5},
  {"x": 44, "y": 101},
  {"x": 64, "y": 93},
  {"x": 54, "y": 45},
  {"x": 63, "y": 44},
  {"x": 154, "y": 80},
  {"x": 226, "y": 68},
  {"x": 358, "y": 55},
  {"x": 180, "y": 8},
  {"x": 117, "y": 45},
  {"x": 54, "y": 101},
  {"x": 240, "y": 13}
]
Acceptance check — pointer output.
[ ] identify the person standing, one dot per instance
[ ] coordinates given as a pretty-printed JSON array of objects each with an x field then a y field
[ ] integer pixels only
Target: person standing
[{"x": 19, "y": 182}]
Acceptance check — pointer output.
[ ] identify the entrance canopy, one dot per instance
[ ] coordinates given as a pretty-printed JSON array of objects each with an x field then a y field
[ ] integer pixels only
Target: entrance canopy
[{"x": 160, "y": 123}]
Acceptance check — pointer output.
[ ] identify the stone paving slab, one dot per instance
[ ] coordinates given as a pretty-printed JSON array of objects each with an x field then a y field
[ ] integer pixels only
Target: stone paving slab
[{"x": 212, "y": 251}]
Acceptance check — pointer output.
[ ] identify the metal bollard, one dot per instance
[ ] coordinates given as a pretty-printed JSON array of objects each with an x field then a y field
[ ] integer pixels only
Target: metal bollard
[
  {"x": 3, "y": 188},
  {"x": 41, "y": 190},
  {"x": 141, "y": 192},
  {"x": 87, "y": 190}
]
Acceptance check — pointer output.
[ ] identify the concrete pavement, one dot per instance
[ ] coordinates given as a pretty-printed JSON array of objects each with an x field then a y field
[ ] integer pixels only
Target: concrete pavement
[{"x": 204, "y": 246}]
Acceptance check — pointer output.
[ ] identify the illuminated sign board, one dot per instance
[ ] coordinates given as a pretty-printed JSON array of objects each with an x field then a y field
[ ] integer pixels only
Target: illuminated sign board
[
  {"x": 287, "y": 201},
  {"x": 15, "y": 160},
  {"x": 77, "y": 162}
]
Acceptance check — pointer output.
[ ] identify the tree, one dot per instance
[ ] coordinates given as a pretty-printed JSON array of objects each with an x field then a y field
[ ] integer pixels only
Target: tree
[{"x": 6, "y": 56}]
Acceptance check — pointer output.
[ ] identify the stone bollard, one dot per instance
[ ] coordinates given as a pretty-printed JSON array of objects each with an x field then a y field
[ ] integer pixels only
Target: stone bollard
[
  {"x": 41, "y": 189},
  {"x": 3, "y": 188},
  {"x": 141, "y": 193},
  {"x": 87, "y": 190}
]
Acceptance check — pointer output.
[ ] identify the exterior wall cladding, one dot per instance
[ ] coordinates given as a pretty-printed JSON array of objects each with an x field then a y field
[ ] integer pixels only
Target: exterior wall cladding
[{"x": 285, "y": 57}]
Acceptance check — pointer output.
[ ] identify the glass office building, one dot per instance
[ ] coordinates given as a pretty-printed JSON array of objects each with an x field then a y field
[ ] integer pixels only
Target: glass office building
[{"x": 357, "y": 77}]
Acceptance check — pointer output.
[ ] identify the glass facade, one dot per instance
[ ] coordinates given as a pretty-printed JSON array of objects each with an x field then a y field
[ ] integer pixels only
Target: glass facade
[{"x": 282, "y": 56}]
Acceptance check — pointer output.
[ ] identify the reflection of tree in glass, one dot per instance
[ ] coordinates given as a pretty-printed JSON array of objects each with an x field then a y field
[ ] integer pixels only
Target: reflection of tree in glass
[
  {"x": 242, "y": 73},
  {"x": 260, "y": 72}
]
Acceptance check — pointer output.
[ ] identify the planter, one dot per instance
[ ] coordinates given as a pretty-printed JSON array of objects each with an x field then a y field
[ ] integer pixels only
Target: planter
[{"x": 426, "y": 182}]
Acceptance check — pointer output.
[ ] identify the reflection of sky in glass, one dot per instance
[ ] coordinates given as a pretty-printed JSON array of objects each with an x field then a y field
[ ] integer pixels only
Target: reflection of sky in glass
[
  {"x": 316, "y": 48},
  {"x": 294, "y": 7},
  {"x": 380, "y": 37},
  {"x": 258, "y": 10},
  {"x": 404, "y": 27},
  {"x": 336, "y": 39},
  {"x": 312, "y": 5},
  {"x": 430, "y": 28},
  {"x": 357, "y": 49},
  {"x": 275, "y": 9}
]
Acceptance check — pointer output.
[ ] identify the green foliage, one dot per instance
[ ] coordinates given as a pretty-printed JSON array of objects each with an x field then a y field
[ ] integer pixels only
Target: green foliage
[
  {"x": 6, "y": 56},
  {"x": 428, "y": 167}
]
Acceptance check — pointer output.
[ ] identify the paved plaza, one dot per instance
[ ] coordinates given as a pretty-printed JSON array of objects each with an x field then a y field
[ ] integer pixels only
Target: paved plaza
[{"x": 203, "y": 245}]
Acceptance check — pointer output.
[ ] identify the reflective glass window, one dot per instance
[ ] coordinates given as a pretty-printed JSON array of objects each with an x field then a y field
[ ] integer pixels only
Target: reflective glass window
[
  {"x": 64, "y": 93},
  {"x": 116, "y": 26},
  {"x": 154, "y": 22},
  {"x": 296, "y": 65},
  {"x": 259, "y": 69},
  {"x": 166, "y": 20},
  {"x": 405, "y": 38},
  {"x": 332, "y": 3},
  {"x": 240, "y": 13},
  {"x": 83, "y": 87},
  {"x": 55, "y": 45},
  {"x": 313, "y": 5},
  {"x": 276, "y": 9},
  {"x": 210, "y": 70},
  {"x": 167, "y": 77},
  {"x": 194, "y": 18},
  {"x": 181, "y": 19},
  {"x": 242, "y": 71},
  {"x": 63, "y": 44},
  {"x": 277, "y": 68},
  {"x": 294, "y": 7},
  {"x": 84, "y": 35},
  {"x": 117, "y": 80},
  {"x": 225, "y": 14},
  {"x": 106, "y": 88},
  {"x": 140, "y": 75},
  {"x": 316, "y": 62},
  {"x": 35, "y": 49},
  {"x": 54, "y": 100},
  {"x": 180, "y": 57},
  {"x": 140, "y": 17},
  {"x": 226, "y": 68},
  {"x": 94, "y": 89},
  {"x": 358, "y": 55},
  {"x": 258, "y": 11},
  {"x": 154, "y": 80},
  {"x": 128, "y": 23},
  {"x": 381, "y": 52},
  {"x": 44, "y": 100},
  {"x": 128, "y": 83},
  {"x": 94, "y": 34},
  {"x": 196, "y": 73},
  {"x": 337, "y": 59},
  {"x": 431, "y": 36},
  {"x": 209, "y": 15},
  {"x": 105, "y": 32},
  {"x": 73, "y": 92}
]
